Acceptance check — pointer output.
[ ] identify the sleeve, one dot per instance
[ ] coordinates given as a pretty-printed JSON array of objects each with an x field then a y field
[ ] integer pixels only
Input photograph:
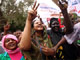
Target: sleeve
[
  {"x": 72, "y": 37},
  {"x": 32, "y": 50},
  {"x": 1, "y": 56}
]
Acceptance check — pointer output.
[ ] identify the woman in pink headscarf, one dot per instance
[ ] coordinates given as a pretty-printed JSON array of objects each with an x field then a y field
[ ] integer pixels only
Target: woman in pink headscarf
[{"x": 9, "y": 44}]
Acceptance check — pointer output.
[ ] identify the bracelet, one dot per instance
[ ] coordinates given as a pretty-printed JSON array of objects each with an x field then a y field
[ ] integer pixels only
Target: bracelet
[{"x": 40, "y": 49}]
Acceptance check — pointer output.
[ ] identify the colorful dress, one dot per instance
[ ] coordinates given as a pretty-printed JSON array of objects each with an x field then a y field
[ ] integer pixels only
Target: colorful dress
[
  {"x": 35, "y": 52},
  {"x": 5, "y": 56}
]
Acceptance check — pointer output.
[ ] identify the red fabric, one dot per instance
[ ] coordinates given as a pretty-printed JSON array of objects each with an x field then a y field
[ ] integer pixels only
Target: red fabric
[
  {"x": 61, "y": 26},
  {"x": 16, "y": 56},
  {"x": 48, "y": 36}
]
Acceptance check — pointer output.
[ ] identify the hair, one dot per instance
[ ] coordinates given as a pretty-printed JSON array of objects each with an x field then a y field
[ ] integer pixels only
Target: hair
[
  {"x": 37, "y": 18},
  {"x": 32, "y": 25},
  {"x": 53, "y": 19}
]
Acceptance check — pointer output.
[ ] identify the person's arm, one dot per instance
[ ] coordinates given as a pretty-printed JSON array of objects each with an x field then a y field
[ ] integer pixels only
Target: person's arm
[
  {"x": 63, "y": 40},
  {"x": 25, "y": 43},
  {"x": 6, "y": 28},
  {"x": 67, "y": 21}
]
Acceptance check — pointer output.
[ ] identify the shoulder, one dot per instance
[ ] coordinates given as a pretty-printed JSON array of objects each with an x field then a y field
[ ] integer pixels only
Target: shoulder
[
  {"x": 77, "y": 25},
  {"x": 2, "y": 56}
]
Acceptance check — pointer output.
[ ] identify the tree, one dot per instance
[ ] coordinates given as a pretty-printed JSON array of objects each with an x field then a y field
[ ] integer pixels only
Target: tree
[
  {"x": 16, "y": 14},
  {"x": 2, "y": 18}
]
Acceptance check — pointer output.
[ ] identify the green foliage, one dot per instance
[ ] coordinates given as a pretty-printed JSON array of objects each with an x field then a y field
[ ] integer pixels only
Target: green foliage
[
  {"x": 75, "y": 16},
  {"x": 16, "y": 14}
]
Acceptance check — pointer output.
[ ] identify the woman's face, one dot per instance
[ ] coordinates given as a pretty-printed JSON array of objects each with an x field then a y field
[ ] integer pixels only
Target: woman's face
[
  {"x": 10, "y": 44},
  {"x": 55, "y": 26},
  {"x": 38, "y": 25}
]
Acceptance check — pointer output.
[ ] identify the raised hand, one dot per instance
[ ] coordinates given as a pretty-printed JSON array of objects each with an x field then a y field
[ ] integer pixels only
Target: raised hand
[
  {"x": 6, "y": 27},
  {"x": 63, "y": 4},
  {"x": 33, "y": 13}
]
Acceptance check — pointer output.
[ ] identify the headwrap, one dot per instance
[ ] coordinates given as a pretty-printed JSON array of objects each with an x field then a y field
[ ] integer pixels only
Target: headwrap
[
  {"x": 12, "y": 37},
  {"x": 37, "y": 18},
  {"x": 53, "y": 19}
]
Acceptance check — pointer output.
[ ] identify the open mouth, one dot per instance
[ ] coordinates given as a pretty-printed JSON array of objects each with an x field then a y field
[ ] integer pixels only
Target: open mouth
[
  {"x": 40, "y": 27},
  {"x": 56, "y": 28},
  {"x": 11, "y": 44}
]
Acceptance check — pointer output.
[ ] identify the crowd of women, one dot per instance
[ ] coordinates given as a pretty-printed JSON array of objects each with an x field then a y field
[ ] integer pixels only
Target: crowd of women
[{"x": 35, "y": 42}]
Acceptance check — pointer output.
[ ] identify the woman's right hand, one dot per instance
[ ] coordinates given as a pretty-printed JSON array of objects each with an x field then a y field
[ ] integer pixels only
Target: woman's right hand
[
  {"x": 33, "y": 13},
  {"x": 48, "y": 51}
]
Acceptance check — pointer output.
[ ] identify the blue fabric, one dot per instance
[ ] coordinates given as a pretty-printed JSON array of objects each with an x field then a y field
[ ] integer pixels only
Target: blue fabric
[{"x": 22, "y": 57}]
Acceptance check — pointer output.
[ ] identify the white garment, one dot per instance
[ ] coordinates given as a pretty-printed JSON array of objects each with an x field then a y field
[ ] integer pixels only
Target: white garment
[{"x": 75, "y": 35}]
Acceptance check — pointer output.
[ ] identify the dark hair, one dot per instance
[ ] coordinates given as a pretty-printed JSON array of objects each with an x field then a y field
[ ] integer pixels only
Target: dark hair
[
  {"x": 53, "y": 19},
  {"x": 32, "y": 25}
]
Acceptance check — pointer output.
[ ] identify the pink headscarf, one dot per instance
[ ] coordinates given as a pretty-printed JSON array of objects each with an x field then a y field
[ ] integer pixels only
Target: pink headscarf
[
  {"x": 14, "y": 54},
  {"x": 12, "y": 37}
]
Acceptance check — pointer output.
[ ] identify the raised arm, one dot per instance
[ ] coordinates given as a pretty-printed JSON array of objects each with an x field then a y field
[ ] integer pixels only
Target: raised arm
[
  {"x": 63, "y": 40},
  {"x": 67, "y": 21},
  {"x": 25, "y": 42},
  {"x": 6, "y": 28}
]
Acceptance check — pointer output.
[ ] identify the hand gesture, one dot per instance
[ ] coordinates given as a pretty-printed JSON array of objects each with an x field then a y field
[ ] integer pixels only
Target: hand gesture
[
  {"x": 48, "y": 51},
  {"x": 33, "y": 13},
  {"x": 40, "y": 18},
  {"x": 63, "y": 5},
  {"x": 6, "y": 27},
  {"x": 55, "y": 49}
]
